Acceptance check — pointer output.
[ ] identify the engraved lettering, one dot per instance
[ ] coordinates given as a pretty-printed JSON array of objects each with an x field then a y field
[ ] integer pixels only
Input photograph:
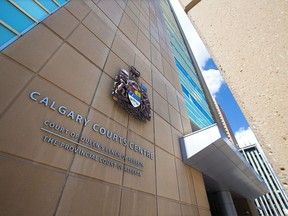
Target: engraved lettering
[
  {"x": 95, "y": 127},
  {"x": 71, "y": 115},
  {"x": 32, "y": 95},
  {"x": 52, "y": 105},
  {"x": 45, "y": 101},
  {"x": 62, "y": 110},
  {"x": 79, "y": 118},
  {"x": 86, "y": 121}
]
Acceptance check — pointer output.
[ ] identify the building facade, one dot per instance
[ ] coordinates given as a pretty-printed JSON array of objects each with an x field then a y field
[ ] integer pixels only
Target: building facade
[
  {"x": 248, "y": 42},
  {"x": 66, "y": 147},
  {"x": 275, "y": 202},
  {"x": 70, "y": 147}
]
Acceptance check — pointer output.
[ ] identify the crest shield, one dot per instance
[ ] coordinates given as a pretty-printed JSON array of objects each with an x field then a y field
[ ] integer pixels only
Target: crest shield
[
  {"x": 131, "y": 95},
  {"x": 134, "y": 93}
]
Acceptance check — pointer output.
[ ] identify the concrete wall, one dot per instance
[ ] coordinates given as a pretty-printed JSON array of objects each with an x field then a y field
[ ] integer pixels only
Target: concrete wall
[
  {"x": 71, "y": 60},
  {"x": 248, "y": 41}
]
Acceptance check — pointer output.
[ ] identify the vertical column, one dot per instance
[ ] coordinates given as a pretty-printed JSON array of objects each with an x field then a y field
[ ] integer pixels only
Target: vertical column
[{"x": 226, "y": 203}]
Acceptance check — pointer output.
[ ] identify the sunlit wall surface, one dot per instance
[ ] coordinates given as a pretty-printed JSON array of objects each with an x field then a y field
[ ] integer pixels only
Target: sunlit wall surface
[
  {"x": 195, "y": 100},
  {"x": 18, "y": 16}
]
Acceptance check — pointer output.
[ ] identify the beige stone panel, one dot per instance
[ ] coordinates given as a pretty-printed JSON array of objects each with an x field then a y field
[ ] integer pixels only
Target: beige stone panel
[
  {"x": 173, "y": 66},
  {"x": 182, "y": 105},
  {"x": 112, "y": 10},
  {"x": 134, "y": 7},
  {"x": 152, "y": 12},
  {"x": 163, "y": 137},
  {"x": 132, "y": 14},
  {"x": 171, "y": 55},
  {"x": 168, "y": 59},
  {"x": 13, "y": 79},
  {"x": 61, "y": 22},
  {"x": 144, "y": 10},
  {"x": 185, "y": 181},
  {"x": 145, "y": 4},
  {"x": 114, "y": 65},
  {"x": 72, "y": 72},
  {"x": 34, "y": 48},
  {"x": 161, "y": 30},
  {"x": 123, "y": 47},
  {"x": 186, "y": 126},
  {"x": 156, "y": 58},
  {"x": 159, "y": 82},
  {"x": 143, "y": 65},
  {"x": 189, "y": 210},
  {"x": 28, "y": 189},
  {"x": 89, "y": 45},
  {"x": 161, "y": 106},
  {"x": 144, "y": 29},
  {"x": 122, "y": 3},
  {"x": 103, "y": 101},
  {"x": 88, "y": 197},
  {"x": 168, "y": 208},
  {"x": 78, "y": 8},
  {"x": 155, "y": 44},
  {"x": 92, "y": 4},
  {"x": 163, "y": 44},
  {"x": 136, "y": 203},
  {"x": 166, "y": 36},
  {"x": 144, "y": 129},
  {"x": 177, "y": 83},
  {"x": 172, "y": 96},
  {"x": 175, "y": 119},
  {"x": 201, "y": 195},
  {"x": 20, "y": 125},
  {"x": 165, "y": 51},
  {"x": 147, "y": 181},
  {"x": 204, "y": 212},
  {"x": 153, "y": 31},
  {"x": 167, "y": 69},
  {"x": 101, "y": 26},
  {"x": 98, "y": 169},
  {"x": 167, "y": 185},
  {"x": 129, "y": 28},
  {"x": 176, "y": 143},
  {"x": 143, "y": 44},
  {"x": 95, "y": 1},
  {"x": 137, "y": 4},
  {"x": 144, "y": 19}
]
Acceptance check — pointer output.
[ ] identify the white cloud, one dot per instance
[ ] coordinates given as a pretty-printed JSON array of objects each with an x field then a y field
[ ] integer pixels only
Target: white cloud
[
  {"x": 213, "y": 80},
  {"x": 245, "y": 137}
]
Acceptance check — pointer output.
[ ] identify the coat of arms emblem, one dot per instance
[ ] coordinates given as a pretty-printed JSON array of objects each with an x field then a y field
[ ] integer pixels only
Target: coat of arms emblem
[{"x": 131, "y": 95}]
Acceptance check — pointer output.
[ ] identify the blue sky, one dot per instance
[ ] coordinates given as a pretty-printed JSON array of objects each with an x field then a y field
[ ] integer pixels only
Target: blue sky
[
  {"x": 221, "y": 92},
  {"x": 227, "y": 102}
]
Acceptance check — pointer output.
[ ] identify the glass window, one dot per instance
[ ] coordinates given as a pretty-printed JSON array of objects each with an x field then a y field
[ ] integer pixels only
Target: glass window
[
  {"x": 196, "y": 104},
  {"x": 61, "y": 2},
  {"x": 14, "y": 17},
  {"x": 49, "y": 5},
  {"x": 32, "y": 8},
  {"x": 6, "y": 35},
  {"x": 19, "y": 16}
]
